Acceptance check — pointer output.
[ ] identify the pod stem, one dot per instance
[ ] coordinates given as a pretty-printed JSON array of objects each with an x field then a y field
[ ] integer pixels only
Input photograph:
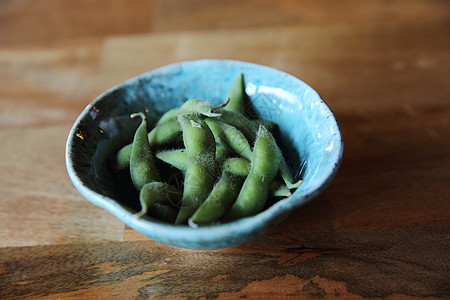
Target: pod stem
[
  {"x": 141, "y": 213},
  {"x": 139, "y": 114},
  {"x": 212, "y": 115},
  {"x": 222, "y": 105},
  {"x": 192, "y": 223},
  {"x": 295, "y": 185}
]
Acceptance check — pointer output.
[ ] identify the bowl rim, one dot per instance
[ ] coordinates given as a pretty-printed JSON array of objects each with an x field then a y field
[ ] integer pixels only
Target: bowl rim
[{"x": 186, "y": 236}]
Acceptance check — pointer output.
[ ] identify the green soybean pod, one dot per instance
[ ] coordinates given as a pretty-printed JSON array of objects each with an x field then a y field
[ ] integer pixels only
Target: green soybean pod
[
  {"x": 161, "y": 135},
  {"x": 142, "y": 166},
  {"x": 200, "y": 172},
  {"x": 264, "y": 167},
  {"x": 237, "y": 166},
  {"x": 164, "y": 212},
  {"x": 268, "y": 124},
  {"x": 239, "y": 121},
  {"x": 197, "y": 186},
  {"x": 247, "y": 126},
  {"x": 157, "y": 192},
  {"x": 177, "y": 158},
  {"x": 164, "y": 134},
  {"x": 279, "y": 189},
  {"x": 221, "y": 151},
  {"x": 287, "y": 175},
  {"x": 121, "y": 160},
  {"x": 200, "y": 107},
  {"x": 237, "y": 95},
  {"x": 241, "y": 167},
  {"x": 205, "y": 108},
  {"x": 230, "y": 137},
  {"x": 219, "y": 201},
  {"x": 170, "y": 115},
  {"x": 192, "y": 106}
]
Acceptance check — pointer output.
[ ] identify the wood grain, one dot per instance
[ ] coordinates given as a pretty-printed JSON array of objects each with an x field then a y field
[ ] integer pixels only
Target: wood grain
[
  {"x": 397, "y": 164},
  {"x": 176, "y": 15},
  {"x": 353, "y": 66},
  {"x": 351, "y": 264},
  {"x": 40, "y": 21},
  {"x": 26, "y": 21},
  {"x": 380, "y": 230},
  {"x": 41, "y": 206}
]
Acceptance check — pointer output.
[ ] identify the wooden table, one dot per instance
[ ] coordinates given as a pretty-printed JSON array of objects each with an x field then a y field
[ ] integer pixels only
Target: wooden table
[{"x": 381, "y": 229}]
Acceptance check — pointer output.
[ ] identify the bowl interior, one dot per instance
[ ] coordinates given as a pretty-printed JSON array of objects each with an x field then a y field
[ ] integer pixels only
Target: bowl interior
[{"x": 308, "y": 135}]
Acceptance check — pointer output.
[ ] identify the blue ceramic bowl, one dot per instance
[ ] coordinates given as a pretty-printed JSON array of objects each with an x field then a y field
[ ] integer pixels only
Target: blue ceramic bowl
[{"x": 309, "y": 136}]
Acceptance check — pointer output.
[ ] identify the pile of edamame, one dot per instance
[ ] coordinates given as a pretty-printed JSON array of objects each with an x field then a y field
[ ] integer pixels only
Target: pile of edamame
[{"x": 226, "y": 163}]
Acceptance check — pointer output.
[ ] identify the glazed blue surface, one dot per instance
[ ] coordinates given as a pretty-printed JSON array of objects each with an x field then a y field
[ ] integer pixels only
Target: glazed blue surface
[{"x": 310, "y": 139}]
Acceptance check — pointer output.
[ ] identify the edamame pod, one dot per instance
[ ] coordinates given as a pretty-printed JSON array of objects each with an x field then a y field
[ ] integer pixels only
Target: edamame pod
[
  {"x": 221, "y": 151},
  {"x": 287, "y": 175},
  {"x": 164, "y": 212},
  {"x": 236, "y": 93},
  {"x": 200, "y": 172},
  {"x": 142, "y": 166},
  {"x": 264, "y": 168},
  {"x": 279, "y": 189},
  {"x": 177, "y": 158},
  {"x": 234, "y": 165},
  {"x": 198, "y": 106},
  {"x": 241, "y": 167},
  {"x": 157, "y": 192},
  {"x": 268, "y": 124},
  {"x": 170, "y": 115},
  {"x": 230, "y": 137},
  {"x": 121, "y": 160},
  {"x": 164, "y": 134},
  {"x": 239, "y": 121},
  {"x": 220, "y": 199},
  {"x": 192, "y": 106},
  {"x": 237, "y": 166}
]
